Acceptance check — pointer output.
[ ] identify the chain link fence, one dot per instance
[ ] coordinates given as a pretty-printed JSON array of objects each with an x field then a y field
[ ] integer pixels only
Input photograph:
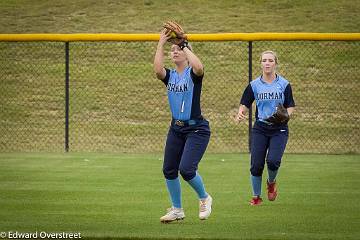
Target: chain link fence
[{"x": 117, "y": 105}]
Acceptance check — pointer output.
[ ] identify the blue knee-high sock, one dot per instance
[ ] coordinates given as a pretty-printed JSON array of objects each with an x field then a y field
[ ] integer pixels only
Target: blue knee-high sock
[
  {"x": 174, "y": 189},
  {"x": 197, "y": 184},
  {"x": 272, "y": 175},
  {"x": 256, "y": 185}
]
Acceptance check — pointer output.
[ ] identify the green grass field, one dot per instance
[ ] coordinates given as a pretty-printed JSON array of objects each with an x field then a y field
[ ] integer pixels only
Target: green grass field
[
  {"x": 199, "y": 16},
  {"x": 122, "y": 196}
]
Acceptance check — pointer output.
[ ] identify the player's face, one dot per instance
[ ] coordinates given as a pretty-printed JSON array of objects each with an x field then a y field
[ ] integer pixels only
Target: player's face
[
  {"x": 176, "y": 54},
  {"x": 268, "y": 63}
]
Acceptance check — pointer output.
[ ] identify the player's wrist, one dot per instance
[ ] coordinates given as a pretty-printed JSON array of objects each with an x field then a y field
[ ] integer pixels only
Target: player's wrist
[{"x": 184, "y": 44}]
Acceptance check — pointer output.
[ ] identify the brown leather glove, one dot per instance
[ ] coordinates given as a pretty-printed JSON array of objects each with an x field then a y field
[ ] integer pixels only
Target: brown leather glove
[
  {"x": 280, "y": 117},
  {"x": 179, "y": 36}
]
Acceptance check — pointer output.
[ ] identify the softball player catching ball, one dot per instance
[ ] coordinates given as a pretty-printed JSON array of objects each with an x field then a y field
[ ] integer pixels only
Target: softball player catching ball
[
  {"x": 189, "y": 132},
  {"x": 268, "y": 140}
]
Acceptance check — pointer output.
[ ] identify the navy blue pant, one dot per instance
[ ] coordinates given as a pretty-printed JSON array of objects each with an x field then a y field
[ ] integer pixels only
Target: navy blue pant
[
  {"x": 184, "y": 149},
  {"x": 267, "y": 143}
]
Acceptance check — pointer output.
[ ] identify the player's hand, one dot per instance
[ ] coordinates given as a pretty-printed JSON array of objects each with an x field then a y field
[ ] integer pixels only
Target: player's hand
[
  {"x": 165, "y": 35},
  {"x": 241, "y": 114}
]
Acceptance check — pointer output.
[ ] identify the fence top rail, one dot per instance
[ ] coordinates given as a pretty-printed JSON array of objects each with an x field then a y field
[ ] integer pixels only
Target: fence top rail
[{"x": 295, "y": 36}]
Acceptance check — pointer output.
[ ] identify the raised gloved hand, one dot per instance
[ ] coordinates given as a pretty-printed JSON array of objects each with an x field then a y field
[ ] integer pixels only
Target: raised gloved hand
[{"x": 178, "y": 35}]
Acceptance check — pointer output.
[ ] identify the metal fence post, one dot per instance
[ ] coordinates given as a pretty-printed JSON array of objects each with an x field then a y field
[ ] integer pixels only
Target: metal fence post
[
  {"x": 250, "y": 79},
  {"x": 67, "y": 96}
]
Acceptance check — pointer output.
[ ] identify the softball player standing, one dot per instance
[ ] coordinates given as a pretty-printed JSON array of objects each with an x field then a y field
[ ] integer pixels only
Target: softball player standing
[
  {"x": 268, "y": 141},
  {"x": 189, "y": 132}
]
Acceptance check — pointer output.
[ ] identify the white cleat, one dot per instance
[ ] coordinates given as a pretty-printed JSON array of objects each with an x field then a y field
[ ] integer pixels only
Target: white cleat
[
  {"x": 173, "y": 214},
  {"x": 205, "y": 208}
]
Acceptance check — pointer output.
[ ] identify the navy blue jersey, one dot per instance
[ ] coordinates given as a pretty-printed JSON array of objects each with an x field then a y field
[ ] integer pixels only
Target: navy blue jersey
[
  {"x": 267, "y": 96},
  {"x": 184, "y": 92}
]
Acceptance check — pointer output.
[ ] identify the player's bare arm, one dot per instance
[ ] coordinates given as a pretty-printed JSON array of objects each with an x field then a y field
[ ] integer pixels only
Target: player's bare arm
[
  {"x": 159, "y": 55},
  {"x": 194, "y": 62}
]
